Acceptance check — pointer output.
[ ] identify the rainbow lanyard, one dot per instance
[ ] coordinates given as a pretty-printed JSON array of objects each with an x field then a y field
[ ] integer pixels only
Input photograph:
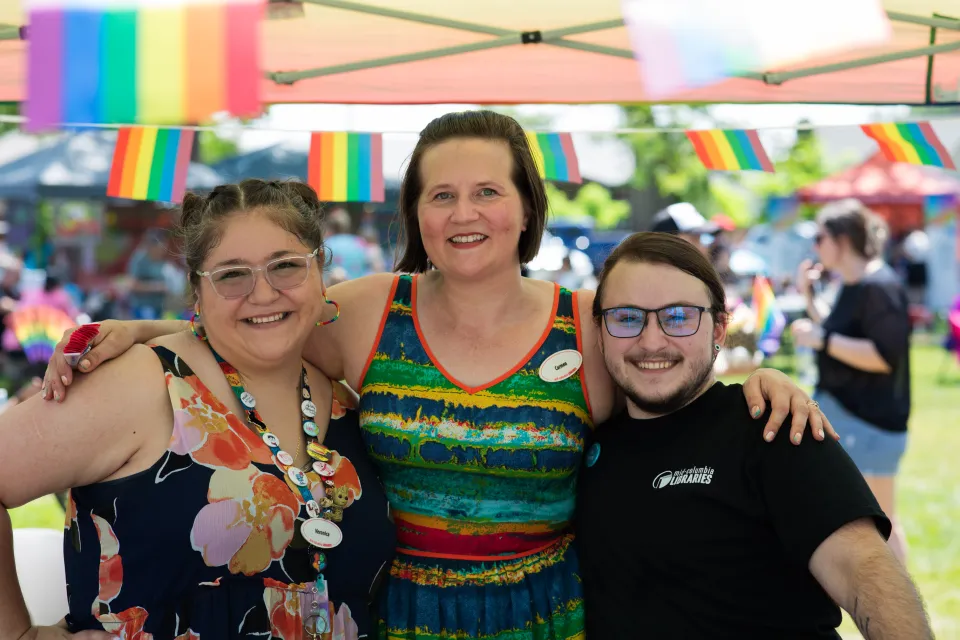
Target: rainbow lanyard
[{"x": 283, "y": 459}]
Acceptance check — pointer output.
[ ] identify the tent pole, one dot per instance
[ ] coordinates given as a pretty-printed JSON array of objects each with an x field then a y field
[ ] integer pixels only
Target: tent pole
[
  {"x": 552, "y": 37},
  {"x": 935, "y": 22}
]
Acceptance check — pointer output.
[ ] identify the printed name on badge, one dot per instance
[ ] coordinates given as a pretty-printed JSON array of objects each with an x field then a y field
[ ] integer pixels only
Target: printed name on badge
[
  {"x": 561, "y": 365},
  {"x": 321, "y": 533}
]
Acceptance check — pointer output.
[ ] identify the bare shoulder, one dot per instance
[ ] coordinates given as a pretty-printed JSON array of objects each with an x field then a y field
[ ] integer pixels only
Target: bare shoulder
[
  {"x": 363, "y": 293},
  {"x": 600, "y": 387},
  {"x": 103, "y": 423}
]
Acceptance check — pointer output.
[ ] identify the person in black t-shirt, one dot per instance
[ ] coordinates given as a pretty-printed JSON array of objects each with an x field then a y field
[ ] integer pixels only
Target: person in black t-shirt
[
  {"x": 863, "y": 347},
  {"x": 689, "y": 525}
]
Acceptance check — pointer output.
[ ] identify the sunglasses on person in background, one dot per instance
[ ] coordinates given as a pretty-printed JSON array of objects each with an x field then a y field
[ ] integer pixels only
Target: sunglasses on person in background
[
  {"x": 677, "y": 321},
  {"x": 236, "y": 281}
]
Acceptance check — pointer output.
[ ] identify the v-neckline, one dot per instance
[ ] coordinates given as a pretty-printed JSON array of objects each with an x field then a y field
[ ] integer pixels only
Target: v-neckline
[{"x": 551, "y": 321}]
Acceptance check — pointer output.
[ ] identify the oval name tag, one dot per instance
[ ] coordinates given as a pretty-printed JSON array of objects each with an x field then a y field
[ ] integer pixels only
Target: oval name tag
[
  {"x": 321, "y": 533},
  {"x": 560, "y": 365}
]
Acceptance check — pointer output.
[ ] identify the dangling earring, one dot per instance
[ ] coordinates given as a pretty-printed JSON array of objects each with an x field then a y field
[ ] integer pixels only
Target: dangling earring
[
  {"x": 323, "y": 323},
  {"x": 193, "y": 326}
]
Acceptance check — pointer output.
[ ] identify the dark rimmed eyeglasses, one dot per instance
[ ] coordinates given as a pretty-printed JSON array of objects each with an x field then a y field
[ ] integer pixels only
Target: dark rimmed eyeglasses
[
  {"x": 676, "y": 321},
  {"x": 236, "y": 281}
]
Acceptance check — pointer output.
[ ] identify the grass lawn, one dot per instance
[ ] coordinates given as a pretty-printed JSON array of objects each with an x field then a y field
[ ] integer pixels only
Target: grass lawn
[{"x": 929, "y": 496}]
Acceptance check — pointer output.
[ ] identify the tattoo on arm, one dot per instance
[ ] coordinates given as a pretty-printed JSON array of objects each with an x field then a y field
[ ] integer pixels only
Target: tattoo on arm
[{"x": 861, "y": 619}]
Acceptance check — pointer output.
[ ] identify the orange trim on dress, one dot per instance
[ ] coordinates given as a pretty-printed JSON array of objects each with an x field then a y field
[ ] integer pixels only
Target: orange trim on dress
[
  {"x": 455, "y": 556},
  {"x": 575, "y": 301},
  {"x": 383, "y": 323},
  {"x": 516, "y": 368}
]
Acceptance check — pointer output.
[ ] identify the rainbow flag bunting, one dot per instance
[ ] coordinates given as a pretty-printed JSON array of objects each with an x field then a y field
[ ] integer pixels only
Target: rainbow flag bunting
[
  {"x": 910, "y": 142},
  {"x": 555, "y": 156},
  {"x": 770, "y": 320},
  {"x": 150, "y": 164},
  {"x": 730, "y": 150},
  {"x": 346, "y": 167},
  {"x": 141, "y": 61}
]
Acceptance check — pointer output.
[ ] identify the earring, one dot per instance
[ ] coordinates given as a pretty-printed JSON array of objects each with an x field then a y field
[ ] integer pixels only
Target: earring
[
  {"x": 336, "y": 305},
  {"x": 717, "y": 347},
  {"x": 193, "y": 326}
]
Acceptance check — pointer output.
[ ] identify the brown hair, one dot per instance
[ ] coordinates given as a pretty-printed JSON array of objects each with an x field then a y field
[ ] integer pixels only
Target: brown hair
[
  {"x": 865, "y": 231},
  {"x": 485, "y": 125},
  {"x": 293, "y": 206},
  {"x": 654, "y": 247}
]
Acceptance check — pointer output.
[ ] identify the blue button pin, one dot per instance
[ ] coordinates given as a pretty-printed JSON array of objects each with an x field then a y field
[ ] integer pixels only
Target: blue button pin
[{"x": 593, "y": 454}]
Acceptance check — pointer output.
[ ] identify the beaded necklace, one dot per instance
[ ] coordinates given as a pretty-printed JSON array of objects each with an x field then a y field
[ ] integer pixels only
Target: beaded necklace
[{"x": 319, "y": 528}]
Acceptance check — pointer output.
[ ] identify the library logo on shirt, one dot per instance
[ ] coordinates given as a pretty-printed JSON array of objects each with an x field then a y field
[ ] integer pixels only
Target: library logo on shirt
[{"x": 693, "y": 475}]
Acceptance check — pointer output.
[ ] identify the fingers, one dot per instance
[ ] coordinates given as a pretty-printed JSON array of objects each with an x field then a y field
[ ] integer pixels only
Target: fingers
[
  {"x": 53, "y": 377},
  {"x": 800, "y": 409},
  {"x": 779, "y": 408},
  {"x": 753, "y": 392}
]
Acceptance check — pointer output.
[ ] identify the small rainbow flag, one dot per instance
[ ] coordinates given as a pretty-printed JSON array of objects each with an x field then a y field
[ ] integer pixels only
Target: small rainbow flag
[
  {"x": 555, "y": 156},
  {"x": 940, "y": 209},
  {"x": 346, "y": 167},
  {"x": 910, "y": 142},
  {"x": 730, "y": 150},
  {"x": 141, "y": 61},
  {"x": 150, "y": 164},
  {"x": 770, "y": 319}
]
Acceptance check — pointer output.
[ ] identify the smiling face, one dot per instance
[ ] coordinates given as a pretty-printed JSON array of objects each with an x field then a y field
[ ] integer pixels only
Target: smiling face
[
  {"x": 267, "y": 326},
  {"x": 470, "y": 212},
  {"x": 659, "y": 373}
]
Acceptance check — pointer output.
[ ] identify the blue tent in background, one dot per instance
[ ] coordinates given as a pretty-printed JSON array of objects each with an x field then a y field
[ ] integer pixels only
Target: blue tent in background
[{"x": 77, "y": 165}]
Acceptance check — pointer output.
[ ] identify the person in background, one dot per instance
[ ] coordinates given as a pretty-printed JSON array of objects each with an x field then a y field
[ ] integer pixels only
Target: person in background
[
  {"x": 683, "y": 219},
  {"x": 148, "y": 269},
  {"x": 689, "y": 526},
  {"x": 348, "y": 251},
  {"x": 863, "y": 347}
]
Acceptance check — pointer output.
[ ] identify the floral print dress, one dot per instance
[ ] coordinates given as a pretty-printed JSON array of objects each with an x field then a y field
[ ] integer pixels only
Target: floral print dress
[{"x": 206, "y": 543}]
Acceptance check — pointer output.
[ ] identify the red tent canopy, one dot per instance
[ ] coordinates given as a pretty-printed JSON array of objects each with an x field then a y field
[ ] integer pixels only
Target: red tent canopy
[{"x": 894, "y": 190}]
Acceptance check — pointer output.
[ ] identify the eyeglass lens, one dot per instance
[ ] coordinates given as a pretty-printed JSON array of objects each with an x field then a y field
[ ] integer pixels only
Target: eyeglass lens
[
  {"x": 281, "y": 274},
  {"x": 676, "y": 322}
]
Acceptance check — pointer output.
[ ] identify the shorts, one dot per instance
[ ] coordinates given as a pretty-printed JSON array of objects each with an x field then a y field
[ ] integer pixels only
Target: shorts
[{"x": 875, "y": 451}]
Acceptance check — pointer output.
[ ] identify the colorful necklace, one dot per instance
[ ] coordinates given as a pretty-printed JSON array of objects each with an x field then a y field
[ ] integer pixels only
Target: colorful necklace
[{"x": 319, "y": 528}]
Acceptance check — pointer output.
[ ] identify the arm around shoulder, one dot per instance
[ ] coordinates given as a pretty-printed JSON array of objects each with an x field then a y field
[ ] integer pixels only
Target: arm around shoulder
[
  {"x": 46, "y": 447},
  {"x": 856, "y": 567}
]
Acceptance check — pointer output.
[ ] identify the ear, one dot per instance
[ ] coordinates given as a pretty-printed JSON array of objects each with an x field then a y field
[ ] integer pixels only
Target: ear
[
  {"x": 720, "y": 320},
  {"x": 600, "y": 331}
]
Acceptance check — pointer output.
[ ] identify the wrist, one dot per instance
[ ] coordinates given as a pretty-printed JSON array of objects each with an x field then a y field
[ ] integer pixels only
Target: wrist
[{"x": 825, "y": 341}]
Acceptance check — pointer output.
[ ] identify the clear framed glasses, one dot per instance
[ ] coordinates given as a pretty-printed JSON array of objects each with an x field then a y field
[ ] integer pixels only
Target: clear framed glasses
[
  {"x": 236, "y": 281},
  {"x": 676, "y": 321}
]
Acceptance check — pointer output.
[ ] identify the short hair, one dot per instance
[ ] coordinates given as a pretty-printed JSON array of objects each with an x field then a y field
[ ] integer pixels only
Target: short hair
[
  {"x": 483, "y": 125},
  {"x": 655, "y": 247},
  {"x": 849, "y": 218},
  {"x": 293, "y": 206}
]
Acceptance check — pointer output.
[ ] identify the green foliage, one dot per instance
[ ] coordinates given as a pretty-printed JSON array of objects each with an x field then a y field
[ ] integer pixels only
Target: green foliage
[
  {"x": 803, "y": 165},
  {"x": 8, "y": 109},
  {"x": 212, "y": 148},
  {"x": 592, "y": 201}
]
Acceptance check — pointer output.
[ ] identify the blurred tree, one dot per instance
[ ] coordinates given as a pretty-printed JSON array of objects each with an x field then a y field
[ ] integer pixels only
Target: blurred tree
[
  {"x": 9, "y": 109},
  {"x": 592, "y": 201},
  {"x": 804, "y": 164},
  {"x": 210, "y": 148}
]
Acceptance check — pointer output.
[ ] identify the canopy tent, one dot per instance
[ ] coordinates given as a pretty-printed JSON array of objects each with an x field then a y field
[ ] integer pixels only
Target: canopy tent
[
  {"x": 544, "y": 51},
  {"x": 896, "y": 191},
  {"x": 77, "y": 166}
]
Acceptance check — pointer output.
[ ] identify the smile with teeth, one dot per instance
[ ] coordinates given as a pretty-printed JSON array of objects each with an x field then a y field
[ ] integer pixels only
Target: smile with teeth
[
  {"x": 656, "y": 364},
  {"x": 466, "y": 239},
  {"x": 276, "y": 317}
]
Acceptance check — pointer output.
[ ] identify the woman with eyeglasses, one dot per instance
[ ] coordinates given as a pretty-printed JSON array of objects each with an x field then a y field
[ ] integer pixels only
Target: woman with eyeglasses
[
  {"x": 863, "y": 347},
  {"x": 220, "y": 487},
  {"x": 477, "y": 388}
]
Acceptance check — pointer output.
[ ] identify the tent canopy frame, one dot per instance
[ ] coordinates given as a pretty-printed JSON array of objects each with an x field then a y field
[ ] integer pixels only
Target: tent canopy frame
[{"x": 558, "y": 37}]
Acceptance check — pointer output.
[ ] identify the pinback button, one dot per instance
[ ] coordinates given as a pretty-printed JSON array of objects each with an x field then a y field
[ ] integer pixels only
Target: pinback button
[
  {"x": 284, "y": 458},
  {"x": 308, "y": 408},
  {"x": 248, "y": 400},
  {"x": 271, "y": 440},
  {"x": 297, "y": 476},
  {"x": 313, "y": 509},
  {"x": 311, "y": 429},
  {"x": 323, "y": 469}
]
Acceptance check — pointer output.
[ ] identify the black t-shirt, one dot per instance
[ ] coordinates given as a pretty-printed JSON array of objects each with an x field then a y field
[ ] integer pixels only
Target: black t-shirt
[
  {"x": 876, "y": 309},
  {"x": 691, "y": 526}
]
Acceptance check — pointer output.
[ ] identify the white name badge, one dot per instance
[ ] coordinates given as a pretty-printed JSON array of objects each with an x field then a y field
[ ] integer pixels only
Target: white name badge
[
  {"x": 321, "y": 533},
  {"x": 561, "y": 365}
]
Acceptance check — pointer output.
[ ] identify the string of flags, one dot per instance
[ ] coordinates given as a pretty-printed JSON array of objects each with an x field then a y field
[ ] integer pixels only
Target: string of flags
[{"x": 150, "y": 163}]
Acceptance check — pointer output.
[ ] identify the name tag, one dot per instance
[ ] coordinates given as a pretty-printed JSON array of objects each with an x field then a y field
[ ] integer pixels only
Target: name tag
[{"x": 561, "y": 365}]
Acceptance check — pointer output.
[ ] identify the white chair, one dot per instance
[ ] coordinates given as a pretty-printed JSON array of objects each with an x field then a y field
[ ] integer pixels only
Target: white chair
[{"x": 38, "y": 554}]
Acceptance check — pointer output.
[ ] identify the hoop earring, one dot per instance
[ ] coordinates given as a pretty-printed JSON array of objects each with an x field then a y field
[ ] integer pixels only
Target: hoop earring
[
  {"x": 193, "y": 327},
  {"x": 336, "y": 305}
]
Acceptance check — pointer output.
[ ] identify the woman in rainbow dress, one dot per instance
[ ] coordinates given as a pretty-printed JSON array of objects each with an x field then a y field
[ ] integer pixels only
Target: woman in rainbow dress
[{"x": 477, "y": 389}]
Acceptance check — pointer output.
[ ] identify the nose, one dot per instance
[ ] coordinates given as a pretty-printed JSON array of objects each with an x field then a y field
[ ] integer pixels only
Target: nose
[
  {"x": 263, "y": 292},
  {"x": 464, "y": 211},
  {"x": 652, "y": 338}
]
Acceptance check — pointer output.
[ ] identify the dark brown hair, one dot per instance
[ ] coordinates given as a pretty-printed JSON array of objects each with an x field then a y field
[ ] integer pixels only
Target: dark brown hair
[
  {"x": 293, "y": 206},
  {"x": 484, "y": 125},
  {"x": 654, "y": 247},
  {"x": 865, "y": 231}
]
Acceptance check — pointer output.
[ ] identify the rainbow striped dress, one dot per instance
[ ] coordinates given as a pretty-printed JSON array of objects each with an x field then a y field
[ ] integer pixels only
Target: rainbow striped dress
[{"x": 481, "y": 485}]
